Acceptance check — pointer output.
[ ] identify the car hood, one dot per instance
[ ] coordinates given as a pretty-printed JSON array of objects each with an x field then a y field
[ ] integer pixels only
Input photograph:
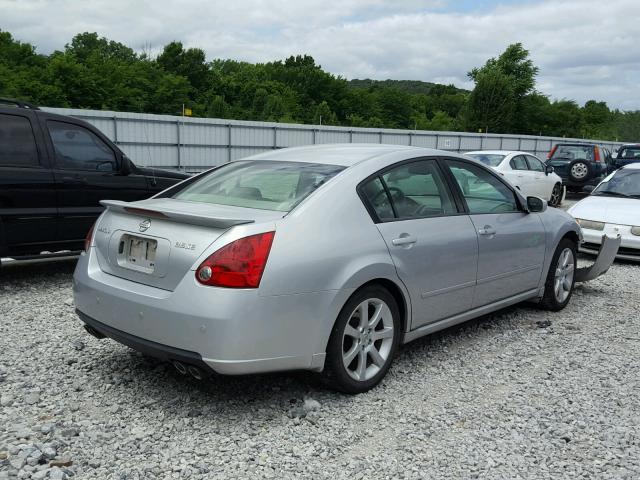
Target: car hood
[
  {"x": 621, "y": 211},
  {"x": 151, "y": 172}
]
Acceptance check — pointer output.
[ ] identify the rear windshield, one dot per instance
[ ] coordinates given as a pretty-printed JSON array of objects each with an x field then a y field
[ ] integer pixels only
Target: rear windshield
[
  {"x": 629, "y": 152},
  {"x": 262, "y": 184},
  {"x": 573, "y": 152},
  {"x": 489, "y": 159}
]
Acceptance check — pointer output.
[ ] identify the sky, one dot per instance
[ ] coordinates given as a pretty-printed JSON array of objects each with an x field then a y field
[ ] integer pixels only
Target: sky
[{"x": 586, "y": 49}]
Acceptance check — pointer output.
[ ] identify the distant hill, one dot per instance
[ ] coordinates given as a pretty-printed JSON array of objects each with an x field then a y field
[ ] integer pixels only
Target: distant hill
[{"x": 409, "y": 86}]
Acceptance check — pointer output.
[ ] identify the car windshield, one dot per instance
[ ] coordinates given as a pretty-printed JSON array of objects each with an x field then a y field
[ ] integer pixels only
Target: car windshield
[
  {"x": 573, "y": 152},
  {"x": 629, "y": 152},
  {"x": 490, "y": 159},
  {"x": 624, "y": 183},
  {"x": 261, "y": 184}
]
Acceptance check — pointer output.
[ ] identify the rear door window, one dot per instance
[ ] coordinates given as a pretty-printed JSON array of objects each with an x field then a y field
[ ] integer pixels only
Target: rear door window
[
  {"x": 17, "y": 142},
  {"x": 78, "y": 148}
]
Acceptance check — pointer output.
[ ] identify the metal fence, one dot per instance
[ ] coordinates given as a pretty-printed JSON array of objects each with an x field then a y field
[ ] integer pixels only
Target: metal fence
[{"x": 194, "y": 144}]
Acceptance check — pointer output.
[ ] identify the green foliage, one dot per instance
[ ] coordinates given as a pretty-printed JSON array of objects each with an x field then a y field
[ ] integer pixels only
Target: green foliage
[{"x": 97, "y": 73}]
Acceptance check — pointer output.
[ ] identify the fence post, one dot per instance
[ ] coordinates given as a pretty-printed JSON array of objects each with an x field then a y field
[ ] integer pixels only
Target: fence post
[
  {"x": 410, "y": 139},
  {"x": 228, "y": 142},
  {"x": 350, "y": 136},
  {"x": 380, "y": 137},
  {"x": 115, "y": 129},
  {"x": 275, "y": 137},
  {"x": 178, "y": 134}
]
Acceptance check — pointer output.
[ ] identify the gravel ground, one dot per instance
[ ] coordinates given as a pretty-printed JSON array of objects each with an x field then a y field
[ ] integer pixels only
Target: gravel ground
[{"x": 520, "y": 394}]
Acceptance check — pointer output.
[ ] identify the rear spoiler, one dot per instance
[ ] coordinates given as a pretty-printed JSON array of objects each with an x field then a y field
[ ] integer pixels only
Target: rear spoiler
[{"x": 171, "y": 215}]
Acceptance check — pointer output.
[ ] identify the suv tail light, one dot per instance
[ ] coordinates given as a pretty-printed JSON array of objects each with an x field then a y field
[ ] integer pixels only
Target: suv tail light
[
  {"x": 88, "y": 238},
  {"x": 553, "y": 150},
  {"x": 239, "y": 264},
  {"x": 596, "y": 154}
]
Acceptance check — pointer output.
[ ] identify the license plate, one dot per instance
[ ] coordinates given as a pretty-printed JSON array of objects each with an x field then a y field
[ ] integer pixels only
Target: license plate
[{"x": 139, "y": 252}]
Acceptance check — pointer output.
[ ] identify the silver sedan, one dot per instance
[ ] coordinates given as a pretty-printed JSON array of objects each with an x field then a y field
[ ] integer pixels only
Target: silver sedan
[{"x": 324, "y": 258}]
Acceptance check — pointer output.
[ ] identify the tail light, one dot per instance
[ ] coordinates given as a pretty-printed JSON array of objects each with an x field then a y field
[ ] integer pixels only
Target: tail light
[
  {"x": 88, "y": 238},
  {"x": 596, "y": 154},
  {"x": 553, "y": 150},
  {"x": 239, "y": 264}
]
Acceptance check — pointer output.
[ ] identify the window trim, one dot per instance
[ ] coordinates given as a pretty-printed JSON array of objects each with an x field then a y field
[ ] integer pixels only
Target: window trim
[
  {"x": 39, "y": 155},
  {"x": 378, "y": 174},
  {"x": 460, "y": 194},
  {"x": 54, "y": 157}
]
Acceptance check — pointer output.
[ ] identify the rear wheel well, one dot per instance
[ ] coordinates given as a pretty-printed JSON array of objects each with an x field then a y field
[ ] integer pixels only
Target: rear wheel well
[{"x": 397, "y": 294}]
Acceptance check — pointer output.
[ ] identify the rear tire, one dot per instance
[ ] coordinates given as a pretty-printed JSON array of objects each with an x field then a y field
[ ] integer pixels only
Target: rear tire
[
  {"x": 558, "y": 287},
  {"x": 363, "y": 341}
]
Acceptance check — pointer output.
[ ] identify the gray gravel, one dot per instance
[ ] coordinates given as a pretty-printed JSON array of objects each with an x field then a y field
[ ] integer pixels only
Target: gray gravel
[{"x": 520, "y": 394}]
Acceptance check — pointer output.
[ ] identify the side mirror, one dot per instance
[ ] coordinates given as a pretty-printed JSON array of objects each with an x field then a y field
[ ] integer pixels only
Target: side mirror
[
  {"x": 536, "y": 204},
  {"x": 548, "y": 169},
  {"x": 126, "y": 167},
  {"x": 588, "y": 188}
]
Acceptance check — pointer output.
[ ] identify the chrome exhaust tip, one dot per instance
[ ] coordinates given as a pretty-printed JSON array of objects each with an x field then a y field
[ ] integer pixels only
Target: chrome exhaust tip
[
  {"x": 195, "y": 372},
  {"x": 180, "y": 367}
]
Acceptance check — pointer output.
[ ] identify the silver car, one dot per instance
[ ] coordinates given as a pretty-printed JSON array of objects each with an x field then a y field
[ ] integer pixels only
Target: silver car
[{"x": 324, "y": 258}]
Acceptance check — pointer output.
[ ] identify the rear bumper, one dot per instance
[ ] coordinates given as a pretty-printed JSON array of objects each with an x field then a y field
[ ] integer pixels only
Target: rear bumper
[
  {"x": 153, "y": 349},
  {"x": 232, "y": 331}
]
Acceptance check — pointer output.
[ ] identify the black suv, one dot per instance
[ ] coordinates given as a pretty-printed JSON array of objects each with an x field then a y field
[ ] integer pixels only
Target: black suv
[
  {"x": 628, "y": 153},
  {"x": 580, "y": 164},
  {"x": 54, "y": 170}
]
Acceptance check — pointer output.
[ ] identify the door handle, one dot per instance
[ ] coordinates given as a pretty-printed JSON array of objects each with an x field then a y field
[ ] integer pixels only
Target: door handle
[
  {"x": 74, "y": 180},
  {"x": 487, "y": 230},
  {"x": 404, "y": 239}
]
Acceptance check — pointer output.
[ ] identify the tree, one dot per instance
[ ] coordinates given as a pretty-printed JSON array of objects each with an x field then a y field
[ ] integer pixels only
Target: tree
[{"x": 492, "y": 102}]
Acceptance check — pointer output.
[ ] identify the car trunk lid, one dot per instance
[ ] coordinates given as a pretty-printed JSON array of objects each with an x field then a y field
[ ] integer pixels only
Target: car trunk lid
[{"x": 156, "y": 242}]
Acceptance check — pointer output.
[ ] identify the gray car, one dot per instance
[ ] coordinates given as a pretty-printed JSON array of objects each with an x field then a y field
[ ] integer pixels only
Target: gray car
[{"x": 324, "y": 258}]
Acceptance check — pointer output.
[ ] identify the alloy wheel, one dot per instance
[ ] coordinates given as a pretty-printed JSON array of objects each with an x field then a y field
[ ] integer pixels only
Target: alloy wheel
[
  {"x": 367, "y": 339},
  {"x": 556, "y": 195},
  {"x": 563, "y": 280}
]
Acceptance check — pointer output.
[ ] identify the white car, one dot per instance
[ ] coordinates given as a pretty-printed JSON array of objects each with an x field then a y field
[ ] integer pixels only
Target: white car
[
  {"x": 612, "y": 208},
  {"x": 525, "y": 172}
]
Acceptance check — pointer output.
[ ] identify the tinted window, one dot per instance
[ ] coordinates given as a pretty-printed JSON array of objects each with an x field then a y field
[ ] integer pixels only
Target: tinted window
[
  {"x": 490, "y": 159},
  {"x": 17, "y": 143},
  {"x": 418, "y": 190},
  {"x": 535, "y": 164},
  {"x": 77, "y": 148},
  {"x": 377, "y": 196},
  {"x": 263, "y": 184},
  {"x": 483, "y": 192},
  {"x": 518, "y": 163},
  {"x": 629, "y": 153},
  {"x": 573, "y": 152}
]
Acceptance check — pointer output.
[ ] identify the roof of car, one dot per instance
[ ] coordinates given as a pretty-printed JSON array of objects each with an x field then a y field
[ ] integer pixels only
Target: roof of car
[
  {"x": 632, "y": 166},
  {"x": 498, "y": 152},
  {"x": 344, "y": 154}
]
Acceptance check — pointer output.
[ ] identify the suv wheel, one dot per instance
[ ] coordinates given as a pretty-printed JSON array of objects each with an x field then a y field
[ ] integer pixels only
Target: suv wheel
[
  {"x": 363, "y": 341},
  {"x": 579, "y": 170}
]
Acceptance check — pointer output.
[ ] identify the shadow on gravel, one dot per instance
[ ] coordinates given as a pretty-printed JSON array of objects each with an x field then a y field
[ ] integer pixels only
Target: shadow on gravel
[
  {"x": 32, "y": 272},
  {"x": 157, "y": 385}
]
